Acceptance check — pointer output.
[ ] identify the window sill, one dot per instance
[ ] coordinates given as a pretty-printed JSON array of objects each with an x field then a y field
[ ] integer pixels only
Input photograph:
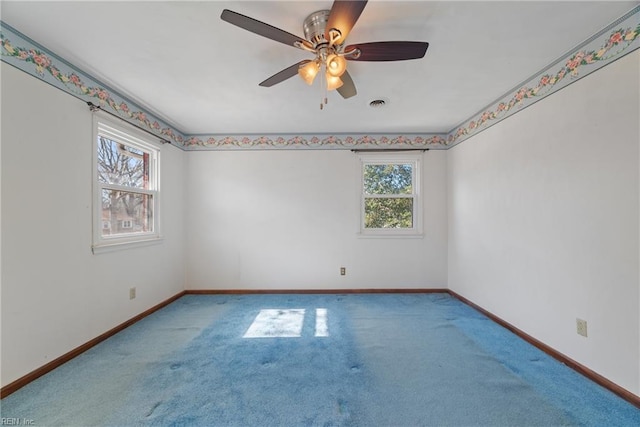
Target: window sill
[
  {"x": 122, "y": 245},
  {"x": 374, "y": 235}
]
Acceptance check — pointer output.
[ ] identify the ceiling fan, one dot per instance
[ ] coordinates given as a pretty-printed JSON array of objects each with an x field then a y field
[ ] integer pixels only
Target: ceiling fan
[{"x": 325, "y": 33}]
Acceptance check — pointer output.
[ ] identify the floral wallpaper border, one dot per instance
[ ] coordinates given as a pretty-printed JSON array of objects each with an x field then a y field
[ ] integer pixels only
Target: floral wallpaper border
[
  {"x": 28, "y": 56},
  {"x": 618, "y": 39},
  {"x": 324, "y": 141}
]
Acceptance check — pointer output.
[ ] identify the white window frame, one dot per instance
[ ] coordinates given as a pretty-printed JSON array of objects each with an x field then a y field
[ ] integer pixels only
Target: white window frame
[
  {"x": 415, "y": 160},
  {"x": 103, "y": 125}
]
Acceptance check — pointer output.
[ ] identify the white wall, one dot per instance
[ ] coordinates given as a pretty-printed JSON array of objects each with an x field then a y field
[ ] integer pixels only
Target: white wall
[
  {"x": 289, "y": 220},
  {"x": 544, "y": 220},
  {"x": 56, "y": 295}
]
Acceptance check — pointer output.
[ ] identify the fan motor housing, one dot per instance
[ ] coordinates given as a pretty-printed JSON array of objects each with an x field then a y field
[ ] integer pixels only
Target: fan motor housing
[{"x": 314, "y": 27}]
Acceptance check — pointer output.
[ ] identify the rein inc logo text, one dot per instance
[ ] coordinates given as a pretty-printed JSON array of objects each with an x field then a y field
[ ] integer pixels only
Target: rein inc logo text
[{"x": 16, "y": 421}]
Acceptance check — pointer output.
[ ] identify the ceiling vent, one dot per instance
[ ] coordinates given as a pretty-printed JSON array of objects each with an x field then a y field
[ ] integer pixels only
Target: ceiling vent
[{"x": 377, "y": 103}]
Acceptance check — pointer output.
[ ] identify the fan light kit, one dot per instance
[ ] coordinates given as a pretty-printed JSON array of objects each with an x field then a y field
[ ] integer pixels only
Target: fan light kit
[
  {"x": 325, "y": 33},
  {"x": 329, "y": 59}
]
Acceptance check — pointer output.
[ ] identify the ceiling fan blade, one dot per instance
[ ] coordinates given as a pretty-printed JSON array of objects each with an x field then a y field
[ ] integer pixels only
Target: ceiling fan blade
[
  {"x": 262, "y": 29},
  {"x": 387, "y": 51},
  {"x": 348, "y": 88},
  {"x": 284, "y": 74},
  {"x": 343, "y": 17}
]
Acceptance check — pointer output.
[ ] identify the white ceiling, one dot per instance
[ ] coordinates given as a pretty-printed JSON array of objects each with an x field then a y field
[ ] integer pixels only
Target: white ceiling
[{"x": 183, "y": 63}]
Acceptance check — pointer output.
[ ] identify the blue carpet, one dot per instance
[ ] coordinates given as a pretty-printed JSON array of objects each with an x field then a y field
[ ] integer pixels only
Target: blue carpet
[{"x": 387, "y": 360}]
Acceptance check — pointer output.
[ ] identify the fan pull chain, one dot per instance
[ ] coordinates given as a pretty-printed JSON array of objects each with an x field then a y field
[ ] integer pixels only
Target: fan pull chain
[
  {"x": 322, "y": 85},
  {"x": 325, "y": 86}
]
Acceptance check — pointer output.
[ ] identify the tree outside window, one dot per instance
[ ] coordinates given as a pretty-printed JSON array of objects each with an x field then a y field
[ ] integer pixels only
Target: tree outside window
[
  {"x": 125, "y": 209},
  {"x": 125, "y": 186},
  {"x": 389, "y": 194}
]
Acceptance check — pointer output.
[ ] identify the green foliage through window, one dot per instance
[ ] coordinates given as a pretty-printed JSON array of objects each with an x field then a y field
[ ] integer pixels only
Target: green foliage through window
[
  {"x": 388, "y": 213},
  {"x": 388, "y": 195},
  {"x": 388, "y": 179}
]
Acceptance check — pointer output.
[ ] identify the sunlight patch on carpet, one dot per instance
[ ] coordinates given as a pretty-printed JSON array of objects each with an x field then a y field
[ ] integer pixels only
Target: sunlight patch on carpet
[
  {"x": 322, "y": 330},
  {"x": 277, "y": 323}
]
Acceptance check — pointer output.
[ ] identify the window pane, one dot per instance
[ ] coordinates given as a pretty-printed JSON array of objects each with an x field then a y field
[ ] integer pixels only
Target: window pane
[
  {"x": 125, "y": 212},
  {"x": 388, "y": 213},
  {"x": 388, "y": 179},
  {"x": 121, "y": 164}
]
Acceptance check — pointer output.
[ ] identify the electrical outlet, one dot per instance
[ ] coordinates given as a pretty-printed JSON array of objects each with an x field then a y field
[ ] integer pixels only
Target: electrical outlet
[
  {"x": 343, "y": 271},
  {"x": 581, "y": 327},
  {"x": 132, "y": 293}
]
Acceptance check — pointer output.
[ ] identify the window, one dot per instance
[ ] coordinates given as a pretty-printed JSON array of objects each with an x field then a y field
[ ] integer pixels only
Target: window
[
  {"x": 126, "y": 166},
  {"x": 390, "y": 204}
]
